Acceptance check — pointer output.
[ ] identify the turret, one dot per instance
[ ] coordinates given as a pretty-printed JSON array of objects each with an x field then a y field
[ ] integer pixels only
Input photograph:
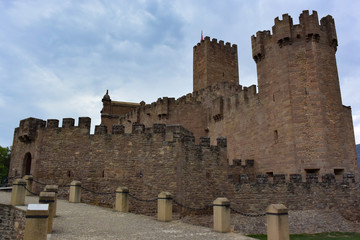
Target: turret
[
  {"x": 298, "y": 82},
  {"x": 214, "y": 62}
]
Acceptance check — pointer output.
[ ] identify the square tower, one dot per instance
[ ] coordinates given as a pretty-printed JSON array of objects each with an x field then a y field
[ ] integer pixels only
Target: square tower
[{"x": 214, "y": 62}]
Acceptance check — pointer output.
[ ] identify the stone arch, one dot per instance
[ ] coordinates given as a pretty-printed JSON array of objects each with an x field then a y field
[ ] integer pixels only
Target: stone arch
[{"x": 27, "y": 164}]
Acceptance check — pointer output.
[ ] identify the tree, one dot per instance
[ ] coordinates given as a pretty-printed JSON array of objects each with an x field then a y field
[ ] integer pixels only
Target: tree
[{"x": 4, "y": 162}]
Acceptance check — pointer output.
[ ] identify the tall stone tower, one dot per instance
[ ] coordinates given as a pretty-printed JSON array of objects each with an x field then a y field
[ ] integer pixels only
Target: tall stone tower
[
  {"x": 298, "y": 81},
  {"x": 214, "y": 62}
]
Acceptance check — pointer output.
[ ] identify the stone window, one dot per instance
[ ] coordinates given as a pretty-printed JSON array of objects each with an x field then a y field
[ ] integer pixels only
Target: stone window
[
  {"x": 27, "y": 164},
  {"x": 315, "y": 170},
  {"x": 276, "y": 136},
  {"x": 339, "y": 174}
]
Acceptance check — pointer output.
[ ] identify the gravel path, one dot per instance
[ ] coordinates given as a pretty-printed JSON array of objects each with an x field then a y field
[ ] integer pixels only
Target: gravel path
[{"x": 82, "y": 221}]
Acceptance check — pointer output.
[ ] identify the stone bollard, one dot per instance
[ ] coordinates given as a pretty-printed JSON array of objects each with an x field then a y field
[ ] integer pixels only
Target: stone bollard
[
  {"x": 48, "y": 198},
  {"x": 221, "y": 208},
  {"x": 277, "y": 222},
  {"x": 18, "y": 192},
  {"x": 55, "y": 189},
  {"x": 29, "y": 181},
  {"x": 122, "y": 199},
  {"x": 75, "y": 192},
  {"x": 165, "y": 207},
  {"x": 36, "y": 222}
]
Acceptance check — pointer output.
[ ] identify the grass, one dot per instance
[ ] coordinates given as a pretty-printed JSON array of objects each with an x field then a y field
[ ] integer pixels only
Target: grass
[{"x": 317, "y": 236}]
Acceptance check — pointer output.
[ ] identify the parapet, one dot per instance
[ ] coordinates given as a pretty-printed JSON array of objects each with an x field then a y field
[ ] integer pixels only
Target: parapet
[
  {"x": 311, "y": 178},
  {"x": 214, "y": 43},
  {"x": 284, "y": 33},
  {"x": 68, "y": 122}
]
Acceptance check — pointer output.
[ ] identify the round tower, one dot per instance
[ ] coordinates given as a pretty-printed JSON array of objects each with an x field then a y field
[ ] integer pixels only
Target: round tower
[{"x": 299, "y": 88}]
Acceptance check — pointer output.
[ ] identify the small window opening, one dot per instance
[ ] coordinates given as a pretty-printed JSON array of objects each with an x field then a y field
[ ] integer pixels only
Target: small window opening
[
  {"x": 223, "y": 74},
  {"x": 312, "y": 170},
  {"x": 273, "y": 97},
  {"x": 69, "y": 173},
  {"x": 270, "y": 174},
  {"x": 276, "y": 136},
  {"x": 103, "y": 173},
  {"x": 338, "y": 171}
]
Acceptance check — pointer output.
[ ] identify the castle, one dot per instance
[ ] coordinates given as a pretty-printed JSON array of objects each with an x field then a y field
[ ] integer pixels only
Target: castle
[
  {"x": 296, "y": 123},
  {"x": 293, "y": 130}
]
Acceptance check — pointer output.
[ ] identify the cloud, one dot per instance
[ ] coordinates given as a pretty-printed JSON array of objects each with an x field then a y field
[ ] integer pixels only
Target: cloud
[{"x": 57, "y": 58}]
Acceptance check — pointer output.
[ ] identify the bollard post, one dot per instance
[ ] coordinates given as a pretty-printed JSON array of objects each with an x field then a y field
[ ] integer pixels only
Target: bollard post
[
  {"x": 165, "y": 207},
  {"x": 36, "y": 222},
  {"x": 277, "y": 222},
  {"x": 55, "y": 189},
  {"x": 221, "y": 208},
  {"x": 48, "y": 198},
  {"x": 18, "y": 192},
  {"x": 75, "y": 192},
  {"x": 29, "y": 181},
  {"x": 122, "y": 199}
]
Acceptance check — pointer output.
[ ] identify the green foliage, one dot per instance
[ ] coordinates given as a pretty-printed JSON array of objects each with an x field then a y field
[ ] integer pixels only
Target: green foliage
[
  {"x": 4, "y": 162},
  {"x": 317, "y": 236}
]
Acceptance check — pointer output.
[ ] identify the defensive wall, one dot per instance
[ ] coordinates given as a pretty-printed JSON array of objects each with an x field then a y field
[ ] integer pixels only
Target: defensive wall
[{"x": 151, "y": 160}]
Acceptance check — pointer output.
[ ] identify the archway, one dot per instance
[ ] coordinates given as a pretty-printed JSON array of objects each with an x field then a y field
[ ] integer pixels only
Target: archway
[{"x": 27, "y": 164}]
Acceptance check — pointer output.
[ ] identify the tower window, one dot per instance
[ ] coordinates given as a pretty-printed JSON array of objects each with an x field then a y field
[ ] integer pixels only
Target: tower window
[
  {"x": 316, "y": 170},
  {"x": 276, "y": 136},
  {"x": 338, "y": 171}
]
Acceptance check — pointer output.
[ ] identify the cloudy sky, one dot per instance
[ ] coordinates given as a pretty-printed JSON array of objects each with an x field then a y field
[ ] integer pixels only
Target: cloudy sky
[{"x": 58, "y": 57}]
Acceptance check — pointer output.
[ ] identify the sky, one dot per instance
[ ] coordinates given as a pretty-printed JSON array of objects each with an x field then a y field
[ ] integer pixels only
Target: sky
[{"x": 58, "y": 57}]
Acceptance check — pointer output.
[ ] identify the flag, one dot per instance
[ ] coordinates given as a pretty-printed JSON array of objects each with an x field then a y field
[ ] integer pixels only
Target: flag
[{"x": 202, "y": 38}]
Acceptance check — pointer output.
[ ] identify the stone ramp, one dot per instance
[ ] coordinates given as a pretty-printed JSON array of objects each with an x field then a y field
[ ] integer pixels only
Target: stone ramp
[{"x": 83, "y": 221}]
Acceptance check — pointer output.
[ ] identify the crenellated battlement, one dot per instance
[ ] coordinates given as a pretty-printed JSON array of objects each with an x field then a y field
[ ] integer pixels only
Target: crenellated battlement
[
  {"x": 169, "y": 133},
  {"x": 285, "y": 33},
  {"x": 214, "y": 43},
  {"x": 310, "y": 178}
]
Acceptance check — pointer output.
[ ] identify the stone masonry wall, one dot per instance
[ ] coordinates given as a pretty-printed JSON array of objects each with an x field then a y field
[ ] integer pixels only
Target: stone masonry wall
[
  {"x": 12, "y": 223},
  {"x": 166, "y": 158}
]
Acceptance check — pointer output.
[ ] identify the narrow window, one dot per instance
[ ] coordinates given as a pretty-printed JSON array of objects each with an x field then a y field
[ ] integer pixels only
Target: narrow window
[
  {"x": 276, "y": 136},
  {"x": 69, "y": 173},
  {"x": 27, "y": 164},
  {"x": 273, "y": 97}
]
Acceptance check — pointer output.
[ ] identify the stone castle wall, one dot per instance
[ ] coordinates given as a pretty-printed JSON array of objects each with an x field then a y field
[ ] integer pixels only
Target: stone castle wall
[
  {"x": 166, "y": 158},
  {"x": 12, "y": 222}
]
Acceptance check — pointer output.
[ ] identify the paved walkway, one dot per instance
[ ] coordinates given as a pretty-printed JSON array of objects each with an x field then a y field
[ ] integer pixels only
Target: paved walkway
[{"x": 82, "y": 221}]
